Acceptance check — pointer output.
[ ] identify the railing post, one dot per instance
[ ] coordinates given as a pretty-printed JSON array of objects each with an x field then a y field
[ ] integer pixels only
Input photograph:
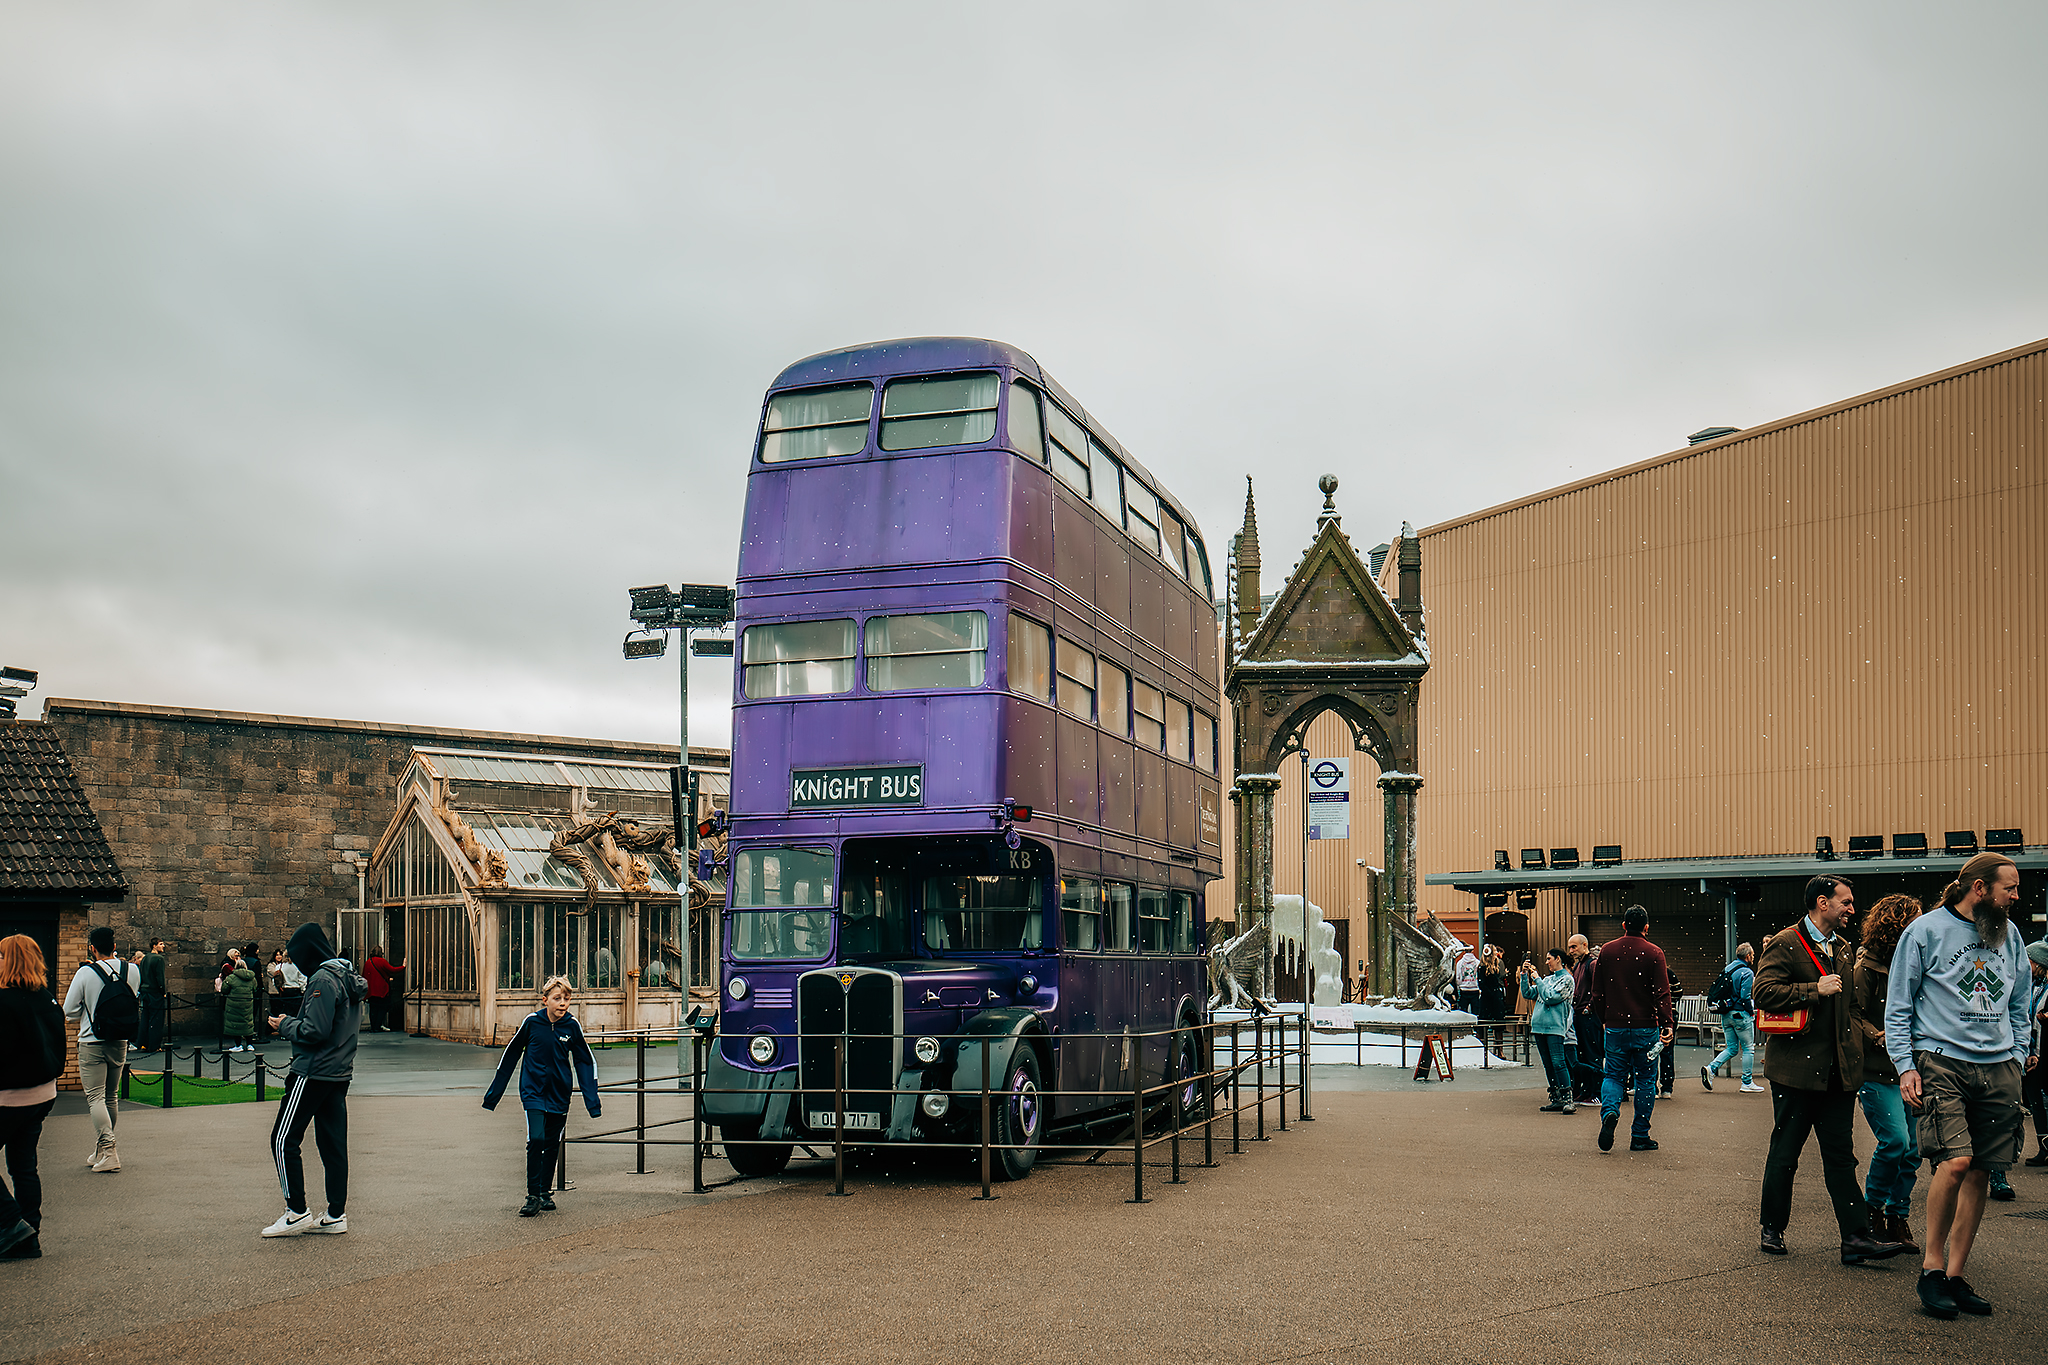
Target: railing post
[
  {"x": 986, "y": 1193},
  {"x": 197, "y": 1049},
  {"x": 839, "y": 1115},
  {"x": 167, "y": 1081},
  {"x": 1236, "y": 1094},
  {"x": 1179, "y": 1116},
  {"x": 1308, "y": 1042},
  {"x": 124, "y": 1083},
  {"x": 1138, "y": 1129},
  {"x": 640, "y": 1102},
  {"x": 259, "y": 1078},
  {"x": 696, "y": 1109},
  {"x": 224, "y": 1074},
  {"x": 562, "y": 1157},
  {"x": 1280, "y": 1055},
  {"x": 1209, "y": 1099},
  {"x": 1259, "y": 1071}
]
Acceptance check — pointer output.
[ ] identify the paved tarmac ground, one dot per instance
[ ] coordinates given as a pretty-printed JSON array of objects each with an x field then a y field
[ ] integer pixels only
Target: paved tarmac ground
[{"x": 1440, "y": 1222}]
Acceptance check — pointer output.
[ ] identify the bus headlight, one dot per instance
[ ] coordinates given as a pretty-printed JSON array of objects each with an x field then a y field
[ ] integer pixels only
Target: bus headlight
[
  {"x": 936, "y": 1102},
  {"x": 737, "y": 988},
  {"x": 927, "y": 1050},
  {"x": 761, "y": 1047}
]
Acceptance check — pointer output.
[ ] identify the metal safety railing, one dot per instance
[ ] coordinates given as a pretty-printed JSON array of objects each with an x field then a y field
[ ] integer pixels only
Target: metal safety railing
[
  {"x": 1252, "y": 1067},
  {"x": 259, "y": 1071}
]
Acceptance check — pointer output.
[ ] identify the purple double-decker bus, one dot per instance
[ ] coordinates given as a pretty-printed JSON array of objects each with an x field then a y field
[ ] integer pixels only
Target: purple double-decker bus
[{"x": 961, "y": 604}]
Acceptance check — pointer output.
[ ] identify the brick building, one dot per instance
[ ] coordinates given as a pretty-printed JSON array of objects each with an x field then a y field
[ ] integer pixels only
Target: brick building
[{"x": 235, "y": 827}]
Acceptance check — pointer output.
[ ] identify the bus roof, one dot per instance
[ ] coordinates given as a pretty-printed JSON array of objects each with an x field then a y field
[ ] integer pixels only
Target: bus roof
[{"x": 927, "y": 355}]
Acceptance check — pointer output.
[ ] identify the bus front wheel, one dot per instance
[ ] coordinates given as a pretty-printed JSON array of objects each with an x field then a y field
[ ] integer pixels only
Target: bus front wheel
[
  {"x": 748, "y": 1157},
  {"x": 1019, "y": 1116}
]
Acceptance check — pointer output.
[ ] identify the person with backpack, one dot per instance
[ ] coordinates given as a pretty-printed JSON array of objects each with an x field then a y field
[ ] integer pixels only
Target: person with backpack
[
  {"x": 1729, "y": 997},
  {"x": 104, "y": 998},
  {"x": 323, "y": 1038},
  {"x": 31, "y": 1060}
]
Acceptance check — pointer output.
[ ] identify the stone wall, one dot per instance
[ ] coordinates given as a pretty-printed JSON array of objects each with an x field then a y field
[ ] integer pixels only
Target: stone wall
[{"x": 229, "y": 826}]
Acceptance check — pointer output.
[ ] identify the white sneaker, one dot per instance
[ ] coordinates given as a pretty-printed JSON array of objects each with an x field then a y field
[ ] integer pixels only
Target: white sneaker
[
  {"x": 109, "y": 1160},
  {"x": 326, "y": 1224},
  {"x": 291, "y": 1224},
  {"x": 1753, "y": 1089},
  {"x": 99, "y": 1145}
]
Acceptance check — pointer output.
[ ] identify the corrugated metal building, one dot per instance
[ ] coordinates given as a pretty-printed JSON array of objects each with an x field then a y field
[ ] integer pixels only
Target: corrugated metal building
[{"x": 1833, "y": 625}]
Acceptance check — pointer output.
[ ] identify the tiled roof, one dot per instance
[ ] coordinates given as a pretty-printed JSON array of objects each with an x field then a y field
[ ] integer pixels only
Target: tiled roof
[{"x": 51, "y": 844}]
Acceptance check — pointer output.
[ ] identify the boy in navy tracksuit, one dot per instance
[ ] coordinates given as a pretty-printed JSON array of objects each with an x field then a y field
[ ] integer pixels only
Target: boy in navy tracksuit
[{"x": 551, "y": 1040}]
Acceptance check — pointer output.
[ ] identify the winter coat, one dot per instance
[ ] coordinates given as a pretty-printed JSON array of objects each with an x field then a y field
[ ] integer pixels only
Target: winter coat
[
  {"x": 238, "y": 1003},
  {"x": 1869, "y": 980},
  {"x": 1787, "y": 979},
  {"x": 32, "y": 1038},
  {"x": 1553, "y": 997},
  {"x": 323, "y": 1032},
  {"x": 550, "y": 1050}
]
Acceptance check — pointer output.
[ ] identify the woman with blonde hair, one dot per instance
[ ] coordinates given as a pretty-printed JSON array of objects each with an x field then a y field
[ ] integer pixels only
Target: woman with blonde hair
[
  {"x": 31, "y": 1058},
  {"x": 1895, "y": 1160},
  {"x": 552, "y": 1042}
]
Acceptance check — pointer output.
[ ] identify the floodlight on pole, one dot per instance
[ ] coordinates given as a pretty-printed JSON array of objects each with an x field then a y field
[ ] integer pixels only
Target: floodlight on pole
[{"x": 19, "y": 683}]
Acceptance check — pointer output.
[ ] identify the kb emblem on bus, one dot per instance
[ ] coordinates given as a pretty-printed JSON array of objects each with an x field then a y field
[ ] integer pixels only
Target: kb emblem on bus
[{"x": 838, "y": 788}]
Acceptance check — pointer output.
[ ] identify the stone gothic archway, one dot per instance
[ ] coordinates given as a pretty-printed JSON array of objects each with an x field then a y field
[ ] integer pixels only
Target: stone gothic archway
[{"x": 1333, "y": 640}]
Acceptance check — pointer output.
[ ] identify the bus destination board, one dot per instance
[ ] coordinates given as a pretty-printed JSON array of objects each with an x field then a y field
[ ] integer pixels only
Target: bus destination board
[{"x": 853, "y": 788}]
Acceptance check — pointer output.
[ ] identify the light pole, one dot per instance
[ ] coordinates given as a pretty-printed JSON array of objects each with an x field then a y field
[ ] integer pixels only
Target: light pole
[{"x": 657, "y": 611}]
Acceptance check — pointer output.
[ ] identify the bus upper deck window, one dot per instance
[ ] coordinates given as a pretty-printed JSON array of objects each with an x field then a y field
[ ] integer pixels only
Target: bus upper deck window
[
  {"x": 1107, "y": 488},
  {"x": 1178, "y": 733},
  {"x": 1115, "y": 698},
  {"x": 947, "y": 410},
  {"x": 1205, "y": 742},
  {"x": 1141, "y": 514},
  {"x": 1069, "y": 449},
  {"x": 1026, "y": 434},
  {"x": 939, "y": 649},
  {"x": 798, "y": 658},
  {"x": 1030, "y": 658},
  {"x": 1149, "y": 704},
  {"x": 1076, "y": 682},
  {"x": 1172, "y": 543},
  {"x": 1198, "y": 560},
  {"x": 816, "y": 422}
]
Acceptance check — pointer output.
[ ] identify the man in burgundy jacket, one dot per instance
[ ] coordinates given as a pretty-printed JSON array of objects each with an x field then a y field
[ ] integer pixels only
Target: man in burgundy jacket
[{"x": 1632, "y": 995}]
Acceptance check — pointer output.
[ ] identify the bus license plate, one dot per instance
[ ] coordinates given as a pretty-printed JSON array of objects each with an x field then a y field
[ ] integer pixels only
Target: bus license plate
[{"x": 822, "y": 1118}]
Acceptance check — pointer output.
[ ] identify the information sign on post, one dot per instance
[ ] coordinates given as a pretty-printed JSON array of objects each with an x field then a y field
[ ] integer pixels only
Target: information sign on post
[{"x": 1329, "y": 798}]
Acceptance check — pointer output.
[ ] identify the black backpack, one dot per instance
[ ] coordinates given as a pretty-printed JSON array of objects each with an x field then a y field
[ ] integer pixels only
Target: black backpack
[
  {"x": 1722, "y": 995},
  {"x": 117, "y": 1018}
]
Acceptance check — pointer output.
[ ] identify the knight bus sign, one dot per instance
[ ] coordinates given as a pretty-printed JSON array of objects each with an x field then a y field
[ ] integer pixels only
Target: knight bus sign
[
  {"x": 903, "y": 938},
  {"x": 842, "y": 788}
]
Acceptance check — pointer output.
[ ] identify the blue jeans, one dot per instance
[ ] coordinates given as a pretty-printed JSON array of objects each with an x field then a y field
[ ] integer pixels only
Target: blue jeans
[
  {"x": 1895, "y": 1161},
  {"x": 1550, "y": 1046},
  {"x": 1741, "y": 1030},
  {"x": 1629, "y": 1065}
]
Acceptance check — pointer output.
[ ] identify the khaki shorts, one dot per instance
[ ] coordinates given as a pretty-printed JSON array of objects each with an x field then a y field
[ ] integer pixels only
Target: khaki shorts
[{"x": 1972, "y": 1110}]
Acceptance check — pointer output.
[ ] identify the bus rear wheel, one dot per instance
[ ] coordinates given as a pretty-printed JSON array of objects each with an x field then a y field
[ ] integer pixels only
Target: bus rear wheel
[
  {"x": 749, "y": 1158},
  {"x": 1019, "y": 1117}
]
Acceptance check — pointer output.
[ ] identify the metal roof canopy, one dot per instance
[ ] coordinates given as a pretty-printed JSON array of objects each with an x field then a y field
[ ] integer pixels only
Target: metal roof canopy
[
  {"x": 1728, "y": 869},
  {"x": 542, "y": 770}
]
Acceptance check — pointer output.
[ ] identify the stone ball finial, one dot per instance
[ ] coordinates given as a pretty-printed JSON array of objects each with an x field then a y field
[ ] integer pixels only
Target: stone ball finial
[{"x": 1328, "y": 483}]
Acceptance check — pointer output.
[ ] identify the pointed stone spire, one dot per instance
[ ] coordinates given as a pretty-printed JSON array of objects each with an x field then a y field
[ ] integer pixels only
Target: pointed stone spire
[{"x": 1247, "y": 604}]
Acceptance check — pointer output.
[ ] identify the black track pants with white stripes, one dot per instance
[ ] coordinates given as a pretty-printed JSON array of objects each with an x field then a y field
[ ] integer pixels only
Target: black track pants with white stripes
[{"x": 324, "y": 1104}]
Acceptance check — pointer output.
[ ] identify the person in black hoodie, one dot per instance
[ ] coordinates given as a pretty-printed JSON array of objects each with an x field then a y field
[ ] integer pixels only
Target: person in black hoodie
[
  {"x": 323, "y": 1038},
  {"x": 31, "y": 1058},
  {"x": 552, "y": 1041}
]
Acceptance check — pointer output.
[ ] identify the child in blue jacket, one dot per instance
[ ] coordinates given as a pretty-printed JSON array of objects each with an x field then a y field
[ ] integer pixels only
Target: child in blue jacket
[{"x": 551, "y": 1040}]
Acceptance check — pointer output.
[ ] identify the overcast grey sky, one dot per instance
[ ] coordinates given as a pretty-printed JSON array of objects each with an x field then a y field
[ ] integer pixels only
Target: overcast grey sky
[{"x": 356, "y": 358}]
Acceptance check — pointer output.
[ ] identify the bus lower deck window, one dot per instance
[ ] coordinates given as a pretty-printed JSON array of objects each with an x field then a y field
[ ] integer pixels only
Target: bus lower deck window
[{"x": 1081, "y": 917}]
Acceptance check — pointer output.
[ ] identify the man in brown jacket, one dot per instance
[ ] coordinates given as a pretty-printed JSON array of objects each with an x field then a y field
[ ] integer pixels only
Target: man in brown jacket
[{"x": 1814, "y": 1074}]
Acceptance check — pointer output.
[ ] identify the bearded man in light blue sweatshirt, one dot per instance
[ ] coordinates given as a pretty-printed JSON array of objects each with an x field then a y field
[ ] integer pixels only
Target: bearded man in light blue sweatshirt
[{"x": 1956, "y": 1027}]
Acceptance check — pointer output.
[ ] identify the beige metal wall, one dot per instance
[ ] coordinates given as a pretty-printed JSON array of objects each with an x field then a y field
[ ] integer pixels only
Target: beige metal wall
[{"x": 1832, "y": 624}]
